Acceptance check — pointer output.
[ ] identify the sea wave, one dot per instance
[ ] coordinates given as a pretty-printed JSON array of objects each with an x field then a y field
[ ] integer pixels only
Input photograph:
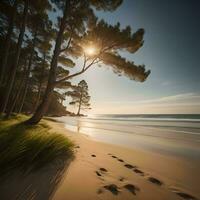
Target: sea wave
[{"x": 179, "y": 118}]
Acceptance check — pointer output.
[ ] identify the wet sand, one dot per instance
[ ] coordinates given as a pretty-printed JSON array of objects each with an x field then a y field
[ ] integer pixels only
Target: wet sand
[{"x": 174, "y": 138}]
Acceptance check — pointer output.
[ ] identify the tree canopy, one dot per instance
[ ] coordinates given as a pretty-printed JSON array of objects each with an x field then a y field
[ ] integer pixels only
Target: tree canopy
[{"x": 40, "y": 51}]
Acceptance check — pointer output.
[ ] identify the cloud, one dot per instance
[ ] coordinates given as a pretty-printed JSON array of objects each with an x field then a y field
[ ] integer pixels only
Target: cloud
[
  {"x": 187, "y": 98},
  {"x": 179, "y": 103},
  {"x": 166, "y": 83}
]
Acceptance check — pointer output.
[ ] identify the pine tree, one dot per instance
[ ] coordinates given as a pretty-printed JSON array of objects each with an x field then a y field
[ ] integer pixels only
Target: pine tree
[
  {"x": 33, "y": 74},
  {"x": 11, "y": 16},
  {"x": 13, "y": 70},
  {"x": 39, "y": 45},
  {"x": 39, "y": 26},
  {"x": 80, "y": 96},
  {"x": 77, "y": 17}
]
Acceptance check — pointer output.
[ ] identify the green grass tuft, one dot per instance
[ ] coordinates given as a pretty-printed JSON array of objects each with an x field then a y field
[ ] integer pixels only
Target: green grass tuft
[{"x": 29, "y": 148}]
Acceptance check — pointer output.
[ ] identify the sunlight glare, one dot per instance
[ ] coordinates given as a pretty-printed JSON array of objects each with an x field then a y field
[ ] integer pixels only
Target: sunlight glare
[{"x": 90, "y": 51}]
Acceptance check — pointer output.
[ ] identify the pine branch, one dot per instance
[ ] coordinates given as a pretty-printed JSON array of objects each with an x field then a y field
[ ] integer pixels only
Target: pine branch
[
  {"x": 80, "y": 72},
  {"x": 68, "y": 44}
]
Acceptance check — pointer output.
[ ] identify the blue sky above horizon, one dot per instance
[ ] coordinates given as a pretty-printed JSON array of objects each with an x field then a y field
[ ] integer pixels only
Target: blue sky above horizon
[{"x": 171, "y": 51}]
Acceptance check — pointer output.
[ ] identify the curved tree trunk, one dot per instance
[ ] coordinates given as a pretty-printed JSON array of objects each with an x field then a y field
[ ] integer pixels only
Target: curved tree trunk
[
  {"x": 16, "y": 61},
  {"x": 41, "y": 110},
  {"x": 8, "y": 42}
]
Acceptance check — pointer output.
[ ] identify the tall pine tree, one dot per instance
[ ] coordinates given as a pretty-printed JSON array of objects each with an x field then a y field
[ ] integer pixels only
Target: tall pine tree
[{"x": 80, "y": 96}]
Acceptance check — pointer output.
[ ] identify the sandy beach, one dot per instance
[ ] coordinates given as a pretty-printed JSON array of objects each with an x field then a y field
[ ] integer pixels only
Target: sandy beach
[
  {"x": 99, "y": 100},
  {"x": 106, "y": 171}
]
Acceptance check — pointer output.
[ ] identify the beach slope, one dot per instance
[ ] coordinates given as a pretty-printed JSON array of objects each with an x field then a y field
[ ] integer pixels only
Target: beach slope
[{"x": 105, "y": 171}]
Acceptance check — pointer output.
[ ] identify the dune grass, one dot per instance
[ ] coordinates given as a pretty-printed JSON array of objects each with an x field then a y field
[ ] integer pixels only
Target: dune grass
[{"x": 27, "y": 148}]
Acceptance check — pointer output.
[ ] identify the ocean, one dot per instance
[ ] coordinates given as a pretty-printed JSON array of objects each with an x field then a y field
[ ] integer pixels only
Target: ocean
[{"x": 174, "y": 134}]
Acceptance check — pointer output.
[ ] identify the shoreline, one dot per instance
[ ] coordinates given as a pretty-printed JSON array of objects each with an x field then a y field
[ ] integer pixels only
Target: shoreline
[
  {"x": 180, "y": 140},
  {"x": 115, "y": 172}
]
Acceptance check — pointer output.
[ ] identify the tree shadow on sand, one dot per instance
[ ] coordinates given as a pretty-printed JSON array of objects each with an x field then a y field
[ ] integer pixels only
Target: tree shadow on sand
[
  {"x": 33, "y": 160},
  {"x": 37, "y": 185}
]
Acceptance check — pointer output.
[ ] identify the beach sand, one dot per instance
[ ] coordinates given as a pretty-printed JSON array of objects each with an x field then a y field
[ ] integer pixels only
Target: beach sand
[{"x": 105, "y": 171}]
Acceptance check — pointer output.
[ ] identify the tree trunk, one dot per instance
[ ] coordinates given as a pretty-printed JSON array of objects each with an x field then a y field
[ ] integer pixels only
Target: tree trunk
[
  {"x": 27, "y": 77},
  {"x": 41, "y": 110},
  {"x": 16, "y": 96},
  {"x": 23, "y": 98},
  {"x": 80, "y": 102},
  {"x": 16, "y": 61},
  {"x": 79, "y": 109},
  {"x": 28, "y": 73},
  {"x": 8, "y": 42},
  {"x": 37, "y": 101}
]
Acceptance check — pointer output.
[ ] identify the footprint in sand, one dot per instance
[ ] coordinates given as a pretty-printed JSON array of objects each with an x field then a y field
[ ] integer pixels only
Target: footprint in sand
[
  {"x": 121, "y": 179},
  {"x": 98, "y": 174},
  {"x": 131, "y": 188},
  {"x": 155, "y": 181},
  {"x": 114, "y": 157},
  {"x": 120, "y": 160},
  {"x": 139, "y": 172},
  {"x": 101, "y": 171},
  {"x": 93, "y": 155},
  {"x": 184, "y": 195},
  {"x": 112, "y": 188},
  {"x": 129, "y": 166}
]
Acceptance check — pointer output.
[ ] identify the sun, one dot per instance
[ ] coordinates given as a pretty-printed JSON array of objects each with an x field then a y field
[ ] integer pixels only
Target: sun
[{"x": 90, "y": 51}]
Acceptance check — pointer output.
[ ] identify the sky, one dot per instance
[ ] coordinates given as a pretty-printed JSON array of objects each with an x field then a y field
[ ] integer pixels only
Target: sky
[{"x": 171, "y": 51}]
